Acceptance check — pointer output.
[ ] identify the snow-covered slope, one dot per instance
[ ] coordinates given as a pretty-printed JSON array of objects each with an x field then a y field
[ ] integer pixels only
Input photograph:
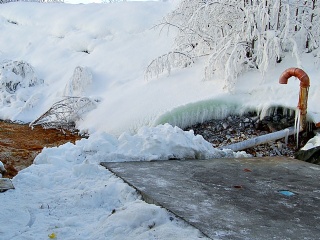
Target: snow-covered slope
[{"x": 115, "y": 43}]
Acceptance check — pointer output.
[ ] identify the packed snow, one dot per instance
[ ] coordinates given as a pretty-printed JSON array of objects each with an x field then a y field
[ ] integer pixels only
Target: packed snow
[{"x": 100, "y": 52}]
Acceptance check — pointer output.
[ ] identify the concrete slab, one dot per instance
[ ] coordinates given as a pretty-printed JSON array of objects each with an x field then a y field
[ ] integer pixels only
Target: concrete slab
[{"x": 233, "y": 198}]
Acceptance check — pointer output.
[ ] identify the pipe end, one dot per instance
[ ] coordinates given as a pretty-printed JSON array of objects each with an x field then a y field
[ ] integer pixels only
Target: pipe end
[
  {"x": 283, "y": 82},
  {"x": 283, "y": 79}
]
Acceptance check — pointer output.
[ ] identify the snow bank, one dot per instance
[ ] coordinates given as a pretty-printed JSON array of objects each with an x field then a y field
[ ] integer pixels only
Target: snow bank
[
  {"x": 312, "y": 143},
  {"x": 163, "y": 142}
]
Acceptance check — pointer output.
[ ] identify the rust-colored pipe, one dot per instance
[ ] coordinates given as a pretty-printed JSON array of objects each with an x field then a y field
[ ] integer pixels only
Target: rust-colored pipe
[{"x": 304, "y": 89}]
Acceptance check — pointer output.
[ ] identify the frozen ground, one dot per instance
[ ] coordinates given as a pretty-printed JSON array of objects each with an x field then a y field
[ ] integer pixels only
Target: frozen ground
[{"x": 65, "y": 194}]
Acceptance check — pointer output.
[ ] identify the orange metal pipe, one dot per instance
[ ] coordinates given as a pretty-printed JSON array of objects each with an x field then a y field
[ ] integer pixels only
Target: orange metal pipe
[
  {"x": 304, "y": 89},
  {"x": 298, "y": 73}
]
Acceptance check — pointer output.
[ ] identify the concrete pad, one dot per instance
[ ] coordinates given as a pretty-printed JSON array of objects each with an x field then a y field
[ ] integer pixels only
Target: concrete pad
[{"x": 233, "y": 198}]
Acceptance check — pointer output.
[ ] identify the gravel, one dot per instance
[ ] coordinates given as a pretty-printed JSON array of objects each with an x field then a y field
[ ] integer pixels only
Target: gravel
[{"x": 237, "y": 128}]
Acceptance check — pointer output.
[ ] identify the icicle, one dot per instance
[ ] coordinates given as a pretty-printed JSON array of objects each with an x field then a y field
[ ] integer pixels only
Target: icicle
[
  {"x": 297, "y": 125},
  {"x": 287, "y": 135}
]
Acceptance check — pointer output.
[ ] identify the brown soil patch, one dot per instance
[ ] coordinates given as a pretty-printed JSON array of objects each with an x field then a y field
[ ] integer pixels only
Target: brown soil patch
[{"x": 19, "y": 144}]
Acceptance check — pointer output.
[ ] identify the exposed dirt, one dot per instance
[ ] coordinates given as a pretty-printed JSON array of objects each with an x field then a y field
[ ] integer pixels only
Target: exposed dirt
[{"x": 19, "y": 144}]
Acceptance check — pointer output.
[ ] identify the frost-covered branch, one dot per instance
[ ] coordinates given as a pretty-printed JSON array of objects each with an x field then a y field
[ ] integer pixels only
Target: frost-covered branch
[
  {"x": 241, "y": 35},
  {"x": 166, "y": 62},
  {"x": 63, "y": 114}
]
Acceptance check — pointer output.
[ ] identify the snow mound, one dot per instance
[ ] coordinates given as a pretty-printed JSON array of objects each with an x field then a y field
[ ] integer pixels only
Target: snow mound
[
  {"x": 17, "y": 74},
  {"x": 19, "y": 86},
  {"x": 312, "y": 143},
  {"x": 162, "y": 142},
  {"x": 79, "y": 82},
  {"x": 16, "y": 77},
  {"x": 165, "y": 142}
]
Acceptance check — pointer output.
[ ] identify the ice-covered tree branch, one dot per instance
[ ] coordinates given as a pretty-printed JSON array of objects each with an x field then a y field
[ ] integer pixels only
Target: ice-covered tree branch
[
  {"x": 239, "y": 35},
  {"x": 166, "y": 62}
]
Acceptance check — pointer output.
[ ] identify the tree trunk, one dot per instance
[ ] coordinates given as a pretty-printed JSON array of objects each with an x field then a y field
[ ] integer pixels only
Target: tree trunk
[
  {"x": 311, "y": 20},
  {"x": 297, "y": 14},
  {"x": 279, "y": 14}
]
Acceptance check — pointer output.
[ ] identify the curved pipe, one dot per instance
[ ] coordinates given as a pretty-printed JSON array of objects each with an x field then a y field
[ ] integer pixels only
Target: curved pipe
[
  {"x": 295, "y": 72},
  {"x": 303, "y": 95}
]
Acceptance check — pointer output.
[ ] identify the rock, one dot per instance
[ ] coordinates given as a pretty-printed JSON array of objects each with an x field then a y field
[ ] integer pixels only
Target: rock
[
  {"x": 279, "y": 145},
  {"x": 311, "y": 155},
  {"x": 246, "y": 120},
  {"x": 225, "y": 125},
  {"x": 236, "y": 128},
  {"x": 276, "y": 118}
]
